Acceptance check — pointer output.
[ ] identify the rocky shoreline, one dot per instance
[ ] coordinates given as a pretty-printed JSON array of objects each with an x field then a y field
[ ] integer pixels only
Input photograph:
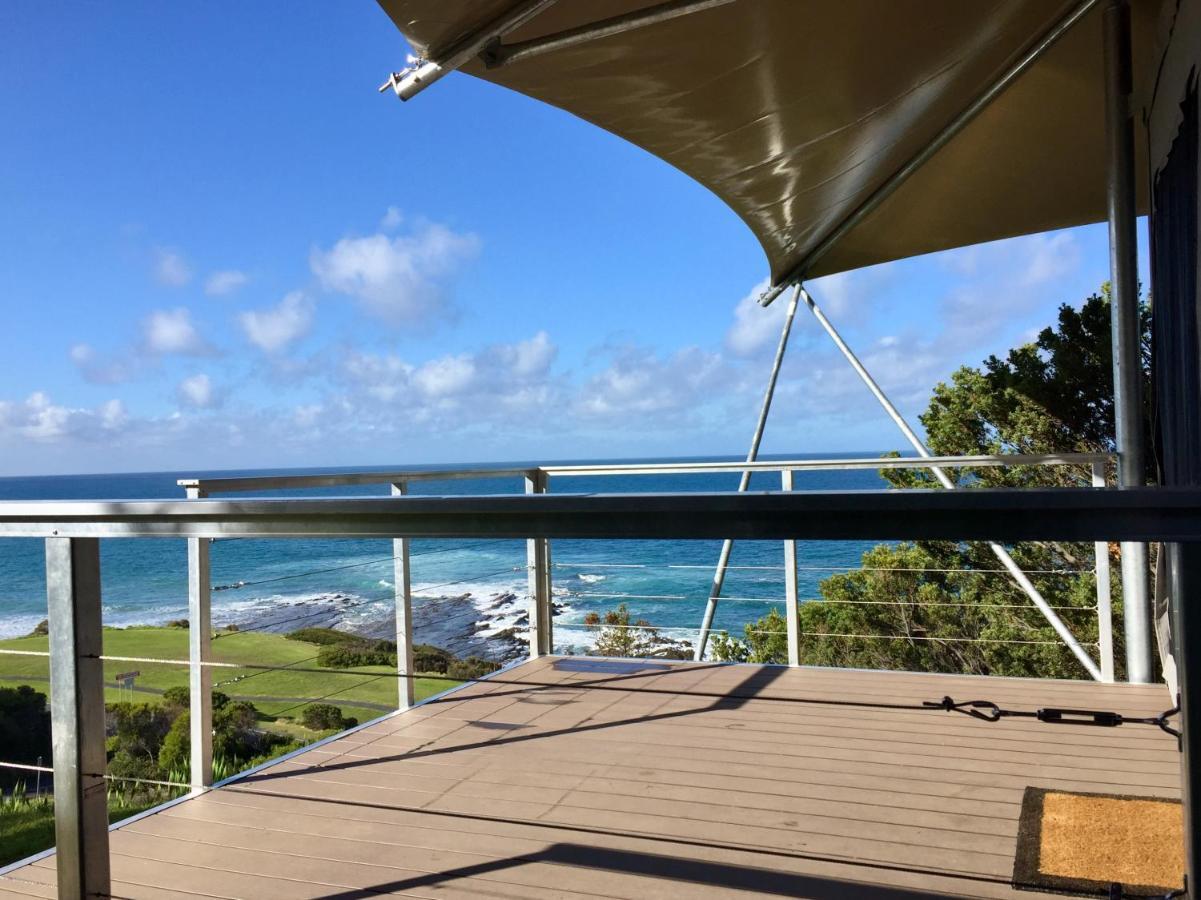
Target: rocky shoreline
[{"x": 494, "y": 628}]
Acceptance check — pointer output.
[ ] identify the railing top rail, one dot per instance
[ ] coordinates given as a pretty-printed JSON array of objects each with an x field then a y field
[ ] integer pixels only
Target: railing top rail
[
  {"x": 1128, "y": 514},
  {"x": 337, "y": 479}
]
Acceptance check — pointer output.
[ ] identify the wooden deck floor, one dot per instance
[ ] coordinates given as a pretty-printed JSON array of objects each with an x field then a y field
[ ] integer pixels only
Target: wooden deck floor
[{"x": 582, "y": 778}]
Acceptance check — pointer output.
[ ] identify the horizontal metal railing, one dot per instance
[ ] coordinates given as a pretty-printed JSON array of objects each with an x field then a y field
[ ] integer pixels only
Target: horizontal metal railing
[{"x": 210, "y": 486}]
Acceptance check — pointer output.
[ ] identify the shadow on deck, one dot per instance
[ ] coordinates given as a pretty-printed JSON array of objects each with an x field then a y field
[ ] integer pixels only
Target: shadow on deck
[{"x": 574, "y": 778}]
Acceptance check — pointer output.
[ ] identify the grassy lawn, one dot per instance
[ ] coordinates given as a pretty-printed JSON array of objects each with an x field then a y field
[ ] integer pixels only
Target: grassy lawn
[
  {"x": 30, "y": 829},
  {"x": 369, "y": 684}
]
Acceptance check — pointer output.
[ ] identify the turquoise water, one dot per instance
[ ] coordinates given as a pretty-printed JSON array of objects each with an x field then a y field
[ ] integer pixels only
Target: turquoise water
[{"x": 279, "y": 583}]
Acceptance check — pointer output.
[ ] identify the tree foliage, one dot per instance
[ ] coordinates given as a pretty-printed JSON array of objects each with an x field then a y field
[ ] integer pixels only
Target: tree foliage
[{"x": 618, "y": 634}]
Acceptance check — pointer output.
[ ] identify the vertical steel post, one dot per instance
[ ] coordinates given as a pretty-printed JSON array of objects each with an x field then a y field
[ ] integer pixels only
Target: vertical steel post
[
  {"x": 77, "y": 716},
  {"x": 402, "y": 587},
  {"x": 791, "y": 613},
  {"x": 538, "y": 566},
  {"x": 1127, "y": 346},
  {"x": 1104, "y": 591},
  {"x": 723, "y": 558},
  {"x": 200, "y": 652}
]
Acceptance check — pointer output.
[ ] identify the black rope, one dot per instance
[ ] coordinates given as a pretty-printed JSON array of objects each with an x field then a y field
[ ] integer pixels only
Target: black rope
[{"x": 988, "y": 711}]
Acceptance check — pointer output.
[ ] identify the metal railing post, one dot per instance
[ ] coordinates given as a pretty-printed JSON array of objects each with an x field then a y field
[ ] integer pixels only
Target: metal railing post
[
  {"x": 1104, "y": 591},
  {"x": 1125, "y": 337},
  {"x": 538, "y": 564},
  {"x": 200, "y": 653},
  {"x": 77, "y": 716},
  {"x": 792, "y": 613},
  {"x": 403, "y": 589}
]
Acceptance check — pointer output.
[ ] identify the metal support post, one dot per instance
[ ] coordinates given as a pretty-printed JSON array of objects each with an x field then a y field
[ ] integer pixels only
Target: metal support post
[
  {"x": 1127, "y": 346},
  {"x": 200, "y": 676},
  {"x": 538, "y": 566},
  {"x": 723, "y": 558},
  {"x": 403, "y": 589},
  {"x": 791, "y": 598},
  {"x": 200, "y": 652},
  {"x": 1104, "y": 592},
  {"x": 999, "y": 552},
  {"x": 77, "y": 716}
]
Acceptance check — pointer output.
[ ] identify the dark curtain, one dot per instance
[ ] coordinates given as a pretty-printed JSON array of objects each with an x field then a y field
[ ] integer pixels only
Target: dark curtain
[{"x": 1176, "y": 376}]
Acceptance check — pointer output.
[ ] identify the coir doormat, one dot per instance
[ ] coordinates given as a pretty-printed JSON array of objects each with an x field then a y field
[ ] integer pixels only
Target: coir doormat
[{"x": 1084, "y": 843}]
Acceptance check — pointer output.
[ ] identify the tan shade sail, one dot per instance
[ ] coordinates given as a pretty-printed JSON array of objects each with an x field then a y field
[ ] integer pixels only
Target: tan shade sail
[{"x": 795, "y": 111}]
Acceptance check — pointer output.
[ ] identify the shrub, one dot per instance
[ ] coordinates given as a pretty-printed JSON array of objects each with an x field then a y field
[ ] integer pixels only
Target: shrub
[
  {"x": 179, "y": 697},
  {"x": 428, "y": 658},
  {"x": 322, "y": 636},
  {"x": 42, "y": 627},
  {"x": 471, "y": 667},
  {"x": 362, "y": 653},
  {"x": 324, "y": 717},
  {"x": 178, "y": 623},
  {"x": 24, "y": 729}
]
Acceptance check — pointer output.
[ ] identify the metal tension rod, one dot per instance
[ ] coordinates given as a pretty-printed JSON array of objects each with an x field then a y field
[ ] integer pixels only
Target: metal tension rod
[
  {"x": 723, "y": 559},
  {"x": 497, "y": 54},
  {"x": 1000, "y": 552},
  {"x": 422, "y": 73},
  {"x": 940, "y": 140}
]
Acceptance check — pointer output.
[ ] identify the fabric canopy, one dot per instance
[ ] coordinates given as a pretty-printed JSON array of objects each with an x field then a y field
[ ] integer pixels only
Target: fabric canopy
[{"x": 794, "y": 111}]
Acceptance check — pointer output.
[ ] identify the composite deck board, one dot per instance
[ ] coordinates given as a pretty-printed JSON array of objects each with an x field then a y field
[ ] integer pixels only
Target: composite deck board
[{"x": 572, "y": 778}]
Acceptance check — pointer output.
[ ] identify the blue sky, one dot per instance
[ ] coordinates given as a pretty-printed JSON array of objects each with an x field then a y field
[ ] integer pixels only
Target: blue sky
[{"x": 220, "y": 247}]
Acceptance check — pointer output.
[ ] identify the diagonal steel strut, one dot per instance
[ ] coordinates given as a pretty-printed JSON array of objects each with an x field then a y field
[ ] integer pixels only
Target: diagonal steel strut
[{"x": 723, "y": 559}]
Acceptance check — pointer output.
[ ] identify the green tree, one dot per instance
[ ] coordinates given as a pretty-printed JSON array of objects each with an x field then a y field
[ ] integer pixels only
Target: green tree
[{"x": 618, "y": 634}]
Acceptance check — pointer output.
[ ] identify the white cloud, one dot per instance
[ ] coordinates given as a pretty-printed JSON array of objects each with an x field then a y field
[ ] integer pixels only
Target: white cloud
[
  {"x": 171, "y": 331},
  {"x": 755, "y": 327},
  {"x": 40, "y": 419},
  {"x": 445, "y": 377},
  {"x": 392, "y": 218},
  {"x": 226, "y": 281},
  {"x": 272, "y": 330},
  {"x": 639, "y": 381},
  {"x": 197, "y": 392},
  {"x": 170, "y": 268},
  {"x": 1048, "y": 257},
  {"x": 98, "y": 369},
  {"x": 396, "y": 279}
]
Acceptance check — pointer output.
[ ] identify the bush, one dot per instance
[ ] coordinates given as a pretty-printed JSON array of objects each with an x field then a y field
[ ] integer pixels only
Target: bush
[
  {"x": 178, "y": 623},
  {"x": 428, "y": 658},
  {"x": 24, "y": 730},
  {"x": 41, "y": 628},
  {"x": 179, "y": 697},
  {"x": 322, "y": 636},
  {"x": 325, "y": 717},
  {"x": 470, "y": 668},
  {"x": 361, "y": 653}
]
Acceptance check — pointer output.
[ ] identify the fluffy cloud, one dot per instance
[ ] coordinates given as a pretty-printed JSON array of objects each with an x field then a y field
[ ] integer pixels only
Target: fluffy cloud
[
  {"x": 39, "y": 419},
  {"x": 197, "y": 392},
  {"x": 226, "y": 281},
  {"x": 171, "y": 331},
  {"x": 273, "y": 330},
  {"x": 170, "y": 268},
  {"x": 639, "y": 381},
  {"x": 398, "y": 280}
]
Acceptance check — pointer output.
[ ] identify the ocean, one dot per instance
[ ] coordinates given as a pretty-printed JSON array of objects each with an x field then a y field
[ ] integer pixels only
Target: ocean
[{"x": 465, "y": 591}]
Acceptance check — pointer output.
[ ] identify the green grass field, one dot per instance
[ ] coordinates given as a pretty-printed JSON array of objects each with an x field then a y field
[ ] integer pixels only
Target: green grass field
[{"x": 275, "y": 694}]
